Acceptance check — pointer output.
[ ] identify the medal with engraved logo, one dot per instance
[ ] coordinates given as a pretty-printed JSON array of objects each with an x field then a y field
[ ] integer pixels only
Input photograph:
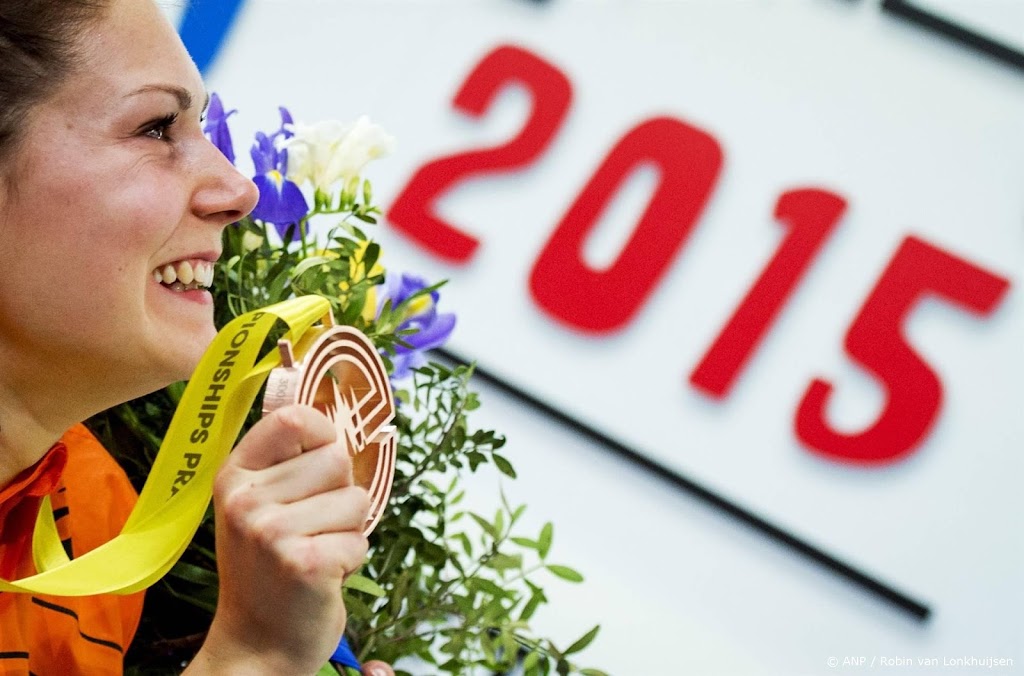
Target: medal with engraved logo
[{"x": 338, "y": 371}]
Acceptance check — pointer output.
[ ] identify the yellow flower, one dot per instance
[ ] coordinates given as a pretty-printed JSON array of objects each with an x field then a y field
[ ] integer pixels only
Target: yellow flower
[
  {"x": 251, "y": 241},
  {"x": 357, "y": 272}
]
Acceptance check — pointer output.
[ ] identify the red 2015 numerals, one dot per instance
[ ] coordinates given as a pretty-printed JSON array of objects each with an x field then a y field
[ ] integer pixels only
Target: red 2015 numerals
[{"x": 689, "y": 161}]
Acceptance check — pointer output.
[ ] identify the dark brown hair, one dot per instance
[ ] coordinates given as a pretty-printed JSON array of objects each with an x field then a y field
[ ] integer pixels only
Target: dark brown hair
[{"x": 38, "y": 48}]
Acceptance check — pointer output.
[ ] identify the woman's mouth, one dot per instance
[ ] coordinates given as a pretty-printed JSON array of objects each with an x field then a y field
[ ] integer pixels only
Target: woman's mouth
[{"x": 185, "y": 275}]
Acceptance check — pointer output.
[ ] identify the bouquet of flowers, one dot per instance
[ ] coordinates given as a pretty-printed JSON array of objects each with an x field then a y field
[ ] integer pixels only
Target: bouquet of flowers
[{"x": 443, "y": 589}]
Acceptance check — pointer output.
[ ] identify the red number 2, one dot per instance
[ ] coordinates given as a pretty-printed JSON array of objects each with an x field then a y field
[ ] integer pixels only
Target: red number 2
[
  {"x": 875, "y": 340},
  {"x": 414, "y": 210}
]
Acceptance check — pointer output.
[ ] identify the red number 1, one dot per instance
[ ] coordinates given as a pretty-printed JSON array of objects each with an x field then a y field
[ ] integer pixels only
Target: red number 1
[
  {"x": 875, "y": 340},
  {"x": 811, "y": 216}
]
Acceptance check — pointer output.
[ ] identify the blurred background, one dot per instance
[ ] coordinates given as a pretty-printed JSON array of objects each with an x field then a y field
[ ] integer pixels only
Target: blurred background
[{"x": 743, "y": 281}]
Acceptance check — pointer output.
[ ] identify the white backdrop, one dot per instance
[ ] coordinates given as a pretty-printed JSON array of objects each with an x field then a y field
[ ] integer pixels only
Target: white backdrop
[{"x": 918, "y": 135}]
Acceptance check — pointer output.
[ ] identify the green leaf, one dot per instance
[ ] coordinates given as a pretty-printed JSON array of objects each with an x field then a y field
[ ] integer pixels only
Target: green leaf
[
  {"x": 370, "y": 256},
  {"x": 486, "y": 586},
  {"x": 531, "y": 660},
  {"x": 544, "y": 540},
  {"x": 592, "y": 672},
  {"x": 364, "y": 584},
  {"x": 583, "y": 641},
  {"x": 509, "y": 648},
  {"x": 433, "y": 554},
  {"x": 505, "y": 561},
  {"x": 194, "y": 574},
  {"x": 205, "y": 598},
  {"x": 531, "y": 606},
  {"x": 467, "y": 547},
  {"x": 565, "y": 572},
  {"x": 328, "y": 670},
  {"x": 175, "y": 390},
  {"x": 504, "y": 466},
  {"x": 526, "y": 542},
  {"x": 308, "y": 263},
  {"x": 483, "y": 523}
]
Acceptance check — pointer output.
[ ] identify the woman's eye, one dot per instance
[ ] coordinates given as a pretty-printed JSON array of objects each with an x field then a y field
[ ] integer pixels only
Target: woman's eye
[{"x": 158, "y": 129}]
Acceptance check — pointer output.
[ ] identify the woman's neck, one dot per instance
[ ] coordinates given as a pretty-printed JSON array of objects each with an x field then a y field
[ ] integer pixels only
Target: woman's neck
[
  {"x": 38, "y": 403},
  {"x": 24, "y": 439}
]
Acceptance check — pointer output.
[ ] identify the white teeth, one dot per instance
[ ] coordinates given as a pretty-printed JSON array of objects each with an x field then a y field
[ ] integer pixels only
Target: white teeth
[
  {"x": 185, "y": 273},
  {"x": 202, "y": 273}
]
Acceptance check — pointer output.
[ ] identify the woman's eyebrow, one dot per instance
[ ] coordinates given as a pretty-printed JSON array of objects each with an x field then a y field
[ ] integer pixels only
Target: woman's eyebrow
[{"x": 183, "y": 95}]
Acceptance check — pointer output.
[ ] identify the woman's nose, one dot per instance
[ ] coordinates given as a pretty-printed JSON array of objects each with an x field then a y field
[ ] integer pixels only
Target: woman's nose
[{"x": 224, "y": 195}]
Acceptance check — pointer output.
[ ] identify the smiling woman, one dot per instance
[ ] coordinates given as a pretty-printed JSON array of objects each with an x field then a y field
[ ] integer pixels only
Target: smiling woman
[{"x": 112, "y": 205}]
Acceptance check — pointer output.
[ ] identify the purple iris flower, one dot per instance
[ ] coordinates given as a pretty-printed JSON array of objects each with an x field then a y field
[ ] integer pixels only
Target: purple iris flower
[
  {"x": 432, "y": 327},
  {"x": 286, "y": 120},
  {"x": 217, "y": 127},
  {"x": 281, "y": 201}
]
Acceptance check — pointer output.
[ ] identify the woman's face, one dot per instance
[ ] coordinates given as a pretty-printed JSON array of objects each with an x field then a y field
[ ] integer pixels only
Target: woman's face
[{"x": 114, "y": 181}]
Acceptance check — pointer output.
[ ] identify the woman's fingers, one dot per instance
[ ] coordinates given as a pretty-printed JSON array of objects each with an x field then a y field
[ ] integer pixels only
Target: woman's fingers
[
  {"x": 284, "y": 434},
  {"x": 344, "y": 509},
  {"x": 333, "y": 556},
  {"x": 312, "y": 472}
]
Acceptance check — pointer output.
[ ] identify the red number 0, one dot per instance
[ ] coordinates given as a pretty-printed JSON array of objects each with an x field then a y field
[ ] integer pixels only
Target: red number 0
[
  {"x": 564, "y": 285},
  {"x": 414, "y": 212},
  {"x": 875, "y": 340}
]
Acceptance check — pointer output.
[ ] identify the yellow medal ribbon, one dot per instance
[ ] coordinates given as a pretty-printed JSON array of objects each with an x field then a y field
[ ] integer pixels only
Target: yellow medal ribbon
[{"x": 179, "y": 487}]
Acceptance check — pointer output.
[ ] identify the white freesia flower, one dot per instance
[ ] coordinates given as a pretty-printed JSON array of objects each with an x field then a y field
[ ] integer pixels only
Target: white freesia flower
[{"x": 328, "y": 151}]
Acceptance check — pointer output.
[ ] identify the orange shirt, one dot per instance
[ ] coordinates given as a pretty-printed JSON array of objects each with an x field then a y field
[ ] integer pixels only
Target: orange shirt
[{"x": 91, "y": 498}]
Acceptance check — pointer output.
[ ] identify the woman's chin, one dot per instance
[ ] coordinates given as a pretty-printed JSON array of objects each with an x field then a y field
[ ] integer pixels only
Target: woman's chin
[
  {"x": 195, "y": 354},
  {"x": 181, "y": 328},
  {"x": 179, "y": 355}
]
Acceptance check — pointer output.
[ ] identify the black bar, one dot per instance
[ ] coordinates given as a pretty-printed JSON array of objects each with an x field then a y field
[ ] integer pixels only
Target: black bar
[
  {"x": 961, "y": 34},
  {"x": 918, "y": 610}
]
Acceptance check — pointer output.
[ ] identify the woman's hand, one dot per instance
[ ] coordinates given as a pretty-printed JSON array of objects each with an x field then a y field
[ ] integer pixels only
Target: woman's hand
[{"x": 289, "y": 529}]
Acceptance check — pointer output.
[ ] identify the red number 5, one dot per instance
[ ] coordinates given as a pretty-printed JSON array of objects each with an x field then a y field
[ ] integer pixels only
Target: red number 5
[{"x": 876, "y": 341}]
